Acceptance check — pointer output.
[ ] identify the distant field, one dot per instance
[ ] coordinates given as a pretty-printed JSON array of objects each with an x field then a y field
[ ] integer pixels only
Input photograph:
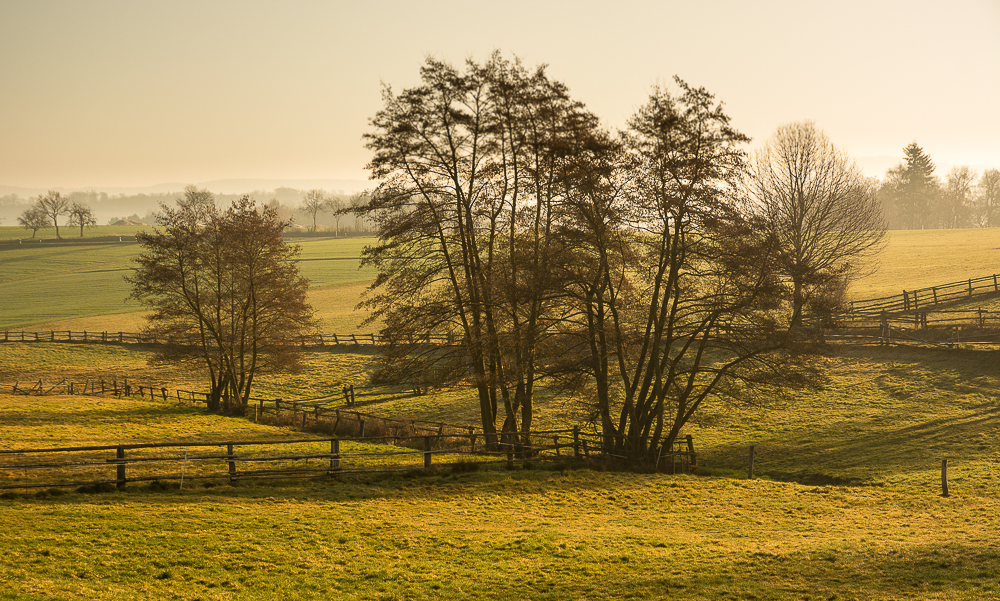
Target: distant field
[
  {"x": 79, "y": 285},
  {"x": 923, "y": 258}
]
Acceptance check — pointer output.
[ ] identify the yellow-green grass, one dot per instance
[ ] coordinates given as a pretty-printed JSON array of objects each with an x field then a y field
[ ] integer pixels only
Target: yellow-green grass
[
  {"x": 882, "y": 417},
  {"x": 68, "y": 233},
  {"x": 47, "y": 285},
  {"x": 914, "y": 259},
  {"x": 490, "y": 535}
]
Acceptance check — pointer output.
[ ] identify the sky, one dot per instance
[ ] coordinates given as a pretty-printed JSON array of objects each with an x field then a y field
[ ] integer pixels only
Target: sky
[{"x": 103, "y": 93}]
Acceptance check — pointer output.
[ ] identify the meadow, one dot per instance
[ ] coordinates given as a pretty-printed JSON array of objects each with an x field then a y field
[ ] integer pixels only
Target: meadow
[{"x": 846, "y": 503}]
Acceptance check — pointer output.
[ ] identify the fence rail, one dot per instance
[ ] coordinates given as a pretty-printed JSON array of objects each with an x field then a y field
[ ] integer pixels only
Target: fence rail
[
  {"x": 232, "y": 461},
  {"x": 914, "y": 300},
  {"x": 316, "y": 339}
]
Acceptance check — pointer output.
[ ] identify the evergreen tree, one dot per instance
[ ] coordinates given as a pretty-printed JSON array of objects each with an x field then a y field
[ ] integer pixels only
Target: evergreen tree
[{"x": 916, "y": 190}]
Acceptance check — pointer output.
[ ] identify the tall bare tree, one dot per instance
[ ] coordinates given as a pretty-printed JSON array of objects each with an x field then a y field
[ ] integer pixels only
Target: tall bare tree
[
  {"x": 225, "y": 292},
  {"x": 34, "y": 218},
  {"x": 468, "y": 162},
  {"x": 81, "y": 215},
  {"x": 988, "y": 198},
  {"x": 55, "y": 205},
  {"x": 672, "y": 286},
  {"x": 314, "y": 203},
  {"x": 822, "y": 212}
]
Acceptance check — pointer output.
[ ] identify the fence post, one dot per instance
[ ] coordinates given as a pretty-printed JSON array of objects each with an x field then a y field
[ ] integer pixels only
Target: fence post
[
  {"x": 970, "y": 288},
  {"x": 361, "y": 427},
  {"x": 576, "y": 441},
  {"x": 750, "y": 466},
  {"x": 427, "y": 451},
  {"x": 120, "y": 456},
  {"x": 944, "y": 477},
  {"x": 232, "y": 464},
  {"x": 472, "y": 439},
  {"x": 510, "y": 450},
  {"x": 555, "y": 443},
  {"x": 335, "y": 451},
  {"x": 693, "y": 462}
]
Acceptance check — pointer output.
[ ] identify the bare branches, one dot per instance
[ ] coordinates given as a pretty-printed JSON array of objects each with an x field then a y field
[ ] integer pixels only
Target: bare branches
[{"x": 822, "y": 212}]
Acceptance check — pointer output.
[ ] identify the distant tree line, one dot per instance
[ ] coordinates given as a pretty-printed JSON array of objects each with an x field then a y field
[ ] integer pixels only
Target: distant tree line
[
  {"x": 311, "y": 210},
  {"x": 914, "y": 198}
]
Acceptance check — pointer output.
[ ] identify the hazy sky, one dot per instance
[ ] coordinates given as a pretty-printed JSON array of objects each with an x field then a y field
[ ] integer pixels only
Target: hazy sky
[{"x": 133, "y": 93}]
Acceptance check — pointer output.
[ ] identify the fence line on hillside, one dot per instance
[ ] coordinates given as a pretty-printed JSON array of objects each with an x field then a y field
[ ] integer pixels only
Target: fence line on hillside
[
  {"x": 324, "y": 413},
  {"x": 316, "y": 339},
  {"x": 913, "y": 300},
  {"x": 300, "y": 458}
]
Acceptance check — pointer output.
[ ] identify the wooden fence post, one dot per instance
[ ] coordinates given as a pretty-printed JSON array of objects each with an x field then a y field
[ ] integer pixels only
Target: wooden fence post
[
  {"x": 427, "y": 451},
  {"x": 335, "y": 451},
  {"x": 576, "y": 441},
  {"x": 944, "y": 477},
  {"x": 361, "y": 427},
  {"x": 472, "y": 439},
  {"x": 120, "y": 456},
  {"x": 692, "y": 460},
  {"x": 510, "y": 451},
  {"x": 750, "y": 465},
  {"x": 232, "y": 464}
]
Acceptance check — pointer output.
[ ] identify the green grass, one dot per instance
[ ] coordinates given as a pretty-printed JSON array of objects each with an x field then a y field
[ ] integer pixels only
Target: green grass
[
  {"x": 914, "y": 259},
  {"x": 881, "y": 422},
  {"x": 51, "y": 285},
  {"x": 520, "y": 535}
]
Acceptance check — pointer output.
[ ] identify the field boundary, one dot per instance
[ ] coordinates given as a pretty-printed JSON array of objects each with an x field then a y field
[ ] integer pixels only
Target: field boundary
[
  {"x": 306, "y": 340},
  {"x": 237, "y": 461},
  {"x": 913, "y": 300}
]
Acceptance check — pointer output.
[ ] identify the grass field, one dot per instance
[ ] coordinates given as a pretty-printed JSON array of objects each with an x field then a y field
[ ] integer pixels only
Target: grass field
[
  {"x": 847, "y": 503},
  {"x": 79, "y": 285}
]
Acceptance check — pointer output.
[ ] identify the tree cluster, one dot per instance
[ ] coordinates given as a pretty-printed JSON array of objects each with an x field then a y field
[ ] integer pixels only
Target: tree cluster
[
  {"x": 629, "y": 267},
  {"x": 46, "y": 210},
  {"x": 913, "y": 197},
  {"x": 225, "y": 292}
]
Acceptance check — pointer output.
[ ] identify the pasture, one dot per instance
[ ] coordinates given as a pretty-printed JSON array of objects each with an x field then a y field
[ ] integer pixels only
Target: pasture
[
  {"x": 846, "y": 504},
  {"x": 78, "y": 284}
]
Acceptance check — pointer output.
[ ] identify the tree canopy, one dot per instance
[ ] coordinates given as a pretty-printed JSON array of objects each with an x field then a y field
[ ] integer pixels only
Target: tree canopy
[
  {"x": 225, "y": 292},
  {"x": 620, "y": 264}
]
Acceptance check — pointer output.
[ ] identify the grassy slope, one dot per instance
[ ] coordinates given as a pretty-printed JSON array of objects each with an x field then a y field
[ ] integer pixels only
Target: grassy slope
[
  {"x": 923, "y": 258},
  {"x": 885, "y": 417},
  {"x": 521, "y": 535},
  {"x": 79, "y": 285}
]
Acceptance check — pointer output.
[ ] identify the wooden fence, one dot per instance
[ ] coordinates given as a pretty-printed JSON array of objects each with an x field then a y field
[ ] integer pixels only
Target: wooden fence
[
  {"x": 316, "y": 339},
  {"x": 936, "y": 327},
  {"x": 119, "y": 465},
  {"x": 914, "y": 300}
]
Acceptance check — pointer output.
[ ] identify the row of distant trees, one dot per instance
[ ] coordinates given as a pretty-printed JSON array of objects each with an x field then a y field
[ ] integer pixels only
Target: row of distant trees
[
  {"x": 913, "y": 197},
  {"x": 315, "y": 207},
  {"x": 47, "y": 209}
]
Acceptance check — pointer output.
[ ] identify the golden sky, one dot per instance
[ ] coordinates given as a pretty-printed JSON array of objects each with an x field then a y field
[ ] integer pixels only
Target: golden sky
[{"x": 132, "y": 93}]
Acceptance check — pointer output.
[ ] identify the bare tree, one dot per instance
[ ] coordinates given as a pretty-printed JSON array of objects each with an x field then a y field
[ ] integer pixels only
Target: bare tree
[
  {"x": 81, "y": 215},
  {"x": 34, "y": 218},
  {"x": 199, "y": 202},
  {"x": 958, "y": 198},
  {"x": 225, "y": 293},
  {"x": 988, "y": 198},
  {"x": 314, "y": 202},
  {"x": 54, "y": 204},
  {"x": 822, "y": 212},
  {"x": 336, "y": 205}
]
